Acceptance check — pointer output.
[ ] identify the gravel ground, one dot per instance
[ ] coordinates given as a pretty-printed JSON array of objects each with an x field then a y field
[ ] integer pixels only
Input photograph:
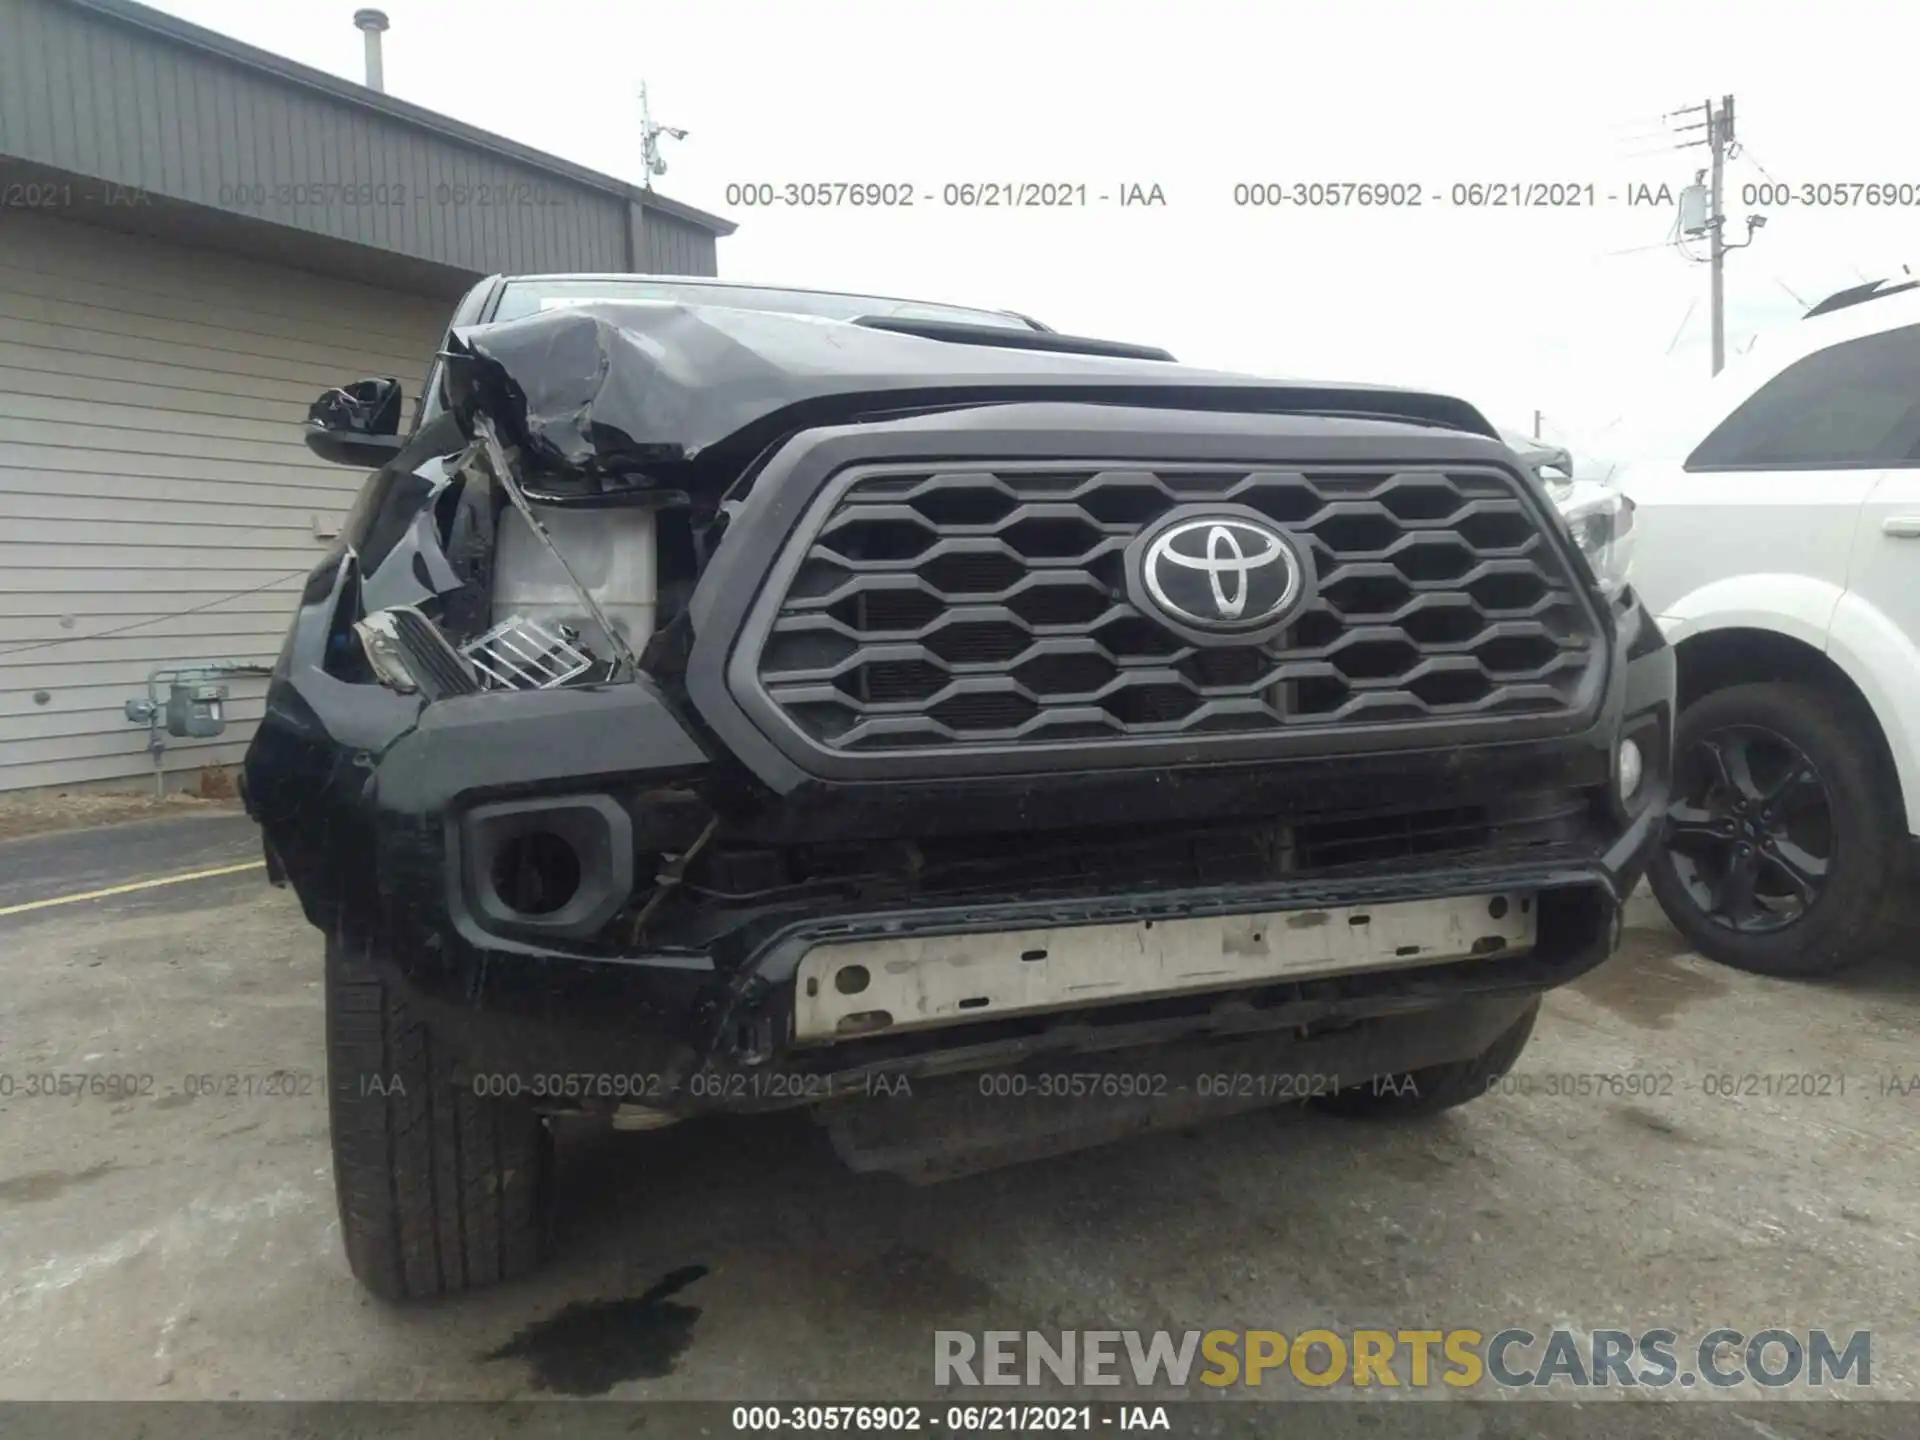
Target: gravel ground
[{"x": 184, "y": 1245}]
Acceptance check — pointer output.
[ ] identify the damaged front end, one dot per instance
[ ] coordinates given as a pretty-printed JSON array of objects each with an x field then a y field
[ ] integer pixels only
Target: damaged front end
[
  {"x": 517, "y": 748},
  {"x": 439, "y": 773}
]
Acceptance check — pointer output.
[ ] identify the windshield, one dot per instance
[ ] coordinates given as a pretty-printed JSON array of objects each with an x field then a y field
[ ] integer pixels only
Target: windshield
[{"x": 527, "y": 297}]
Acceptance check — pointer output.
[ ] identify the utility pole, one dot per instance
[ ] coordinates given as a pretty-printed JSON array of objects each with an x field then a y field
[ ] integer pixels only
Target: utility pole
[
  {"x": 1703, "y": 212},
  {"x": 1719, "y": 136}
]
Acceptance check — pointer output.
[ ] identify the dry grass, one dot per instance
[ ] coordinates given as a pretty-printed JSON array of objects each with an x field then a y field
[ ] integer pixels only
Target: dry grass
[
  {"x": 40, "y": 812},
  {"x": 216, "y": 782}
]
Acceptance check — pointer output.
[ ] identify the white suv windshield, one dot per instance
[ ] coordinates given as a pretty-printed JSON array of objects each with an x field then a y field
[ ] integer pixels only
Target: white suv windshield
[{"x": 526, "y": 297}]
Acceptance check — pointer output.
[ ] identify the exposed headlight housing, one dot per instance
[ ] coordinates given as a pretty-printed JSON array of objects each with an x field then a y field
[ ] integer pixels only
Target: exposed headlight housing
[
  {"x": 1600, "y": 519},
  {"x": 1632, "y": 770},
  {"x": 381, "y": 641}
]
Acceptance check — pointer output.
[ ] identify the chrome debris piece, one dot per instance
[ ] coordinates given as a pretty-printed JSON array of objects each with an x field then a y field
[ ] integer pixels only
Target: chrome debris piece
[{"x": 520, "y": 654}]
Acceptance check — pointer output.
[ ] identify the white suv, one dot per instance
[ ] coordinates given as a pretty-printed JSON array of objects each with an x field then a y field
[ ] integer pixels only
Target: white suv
[{"x": 1778, "y": 540}]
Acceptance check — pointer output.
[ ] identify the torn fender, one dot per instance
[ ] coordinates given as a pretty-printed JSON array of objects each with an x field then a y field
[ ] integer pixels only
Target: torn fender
[{"x": 421, "y": 533}]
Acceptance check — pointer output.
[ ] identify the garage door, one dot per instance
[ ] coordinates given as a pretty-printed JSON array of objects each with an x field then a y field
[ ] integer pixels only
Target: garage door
[{"x": 157, "y": 507}]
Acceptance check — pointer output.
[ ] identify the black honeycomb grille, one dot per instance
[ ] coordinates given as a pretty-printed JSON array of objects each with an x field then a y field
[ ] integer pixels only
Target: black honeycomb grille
[{"x": 961, "y": 606}]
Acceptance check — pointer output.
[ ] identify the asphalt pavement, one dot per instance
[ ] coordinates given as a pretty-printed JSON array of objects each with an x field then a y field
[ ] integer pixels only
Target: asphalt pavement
[
  {"x": 178, "y": 1240},
  {"x": 41, "y": 868}
]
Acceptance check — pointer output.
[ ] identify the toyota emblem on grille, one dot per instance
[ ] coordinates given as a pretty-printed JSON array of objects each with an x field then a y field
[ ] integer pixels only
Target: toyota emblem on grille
[{"x": 1223, "y": 572}]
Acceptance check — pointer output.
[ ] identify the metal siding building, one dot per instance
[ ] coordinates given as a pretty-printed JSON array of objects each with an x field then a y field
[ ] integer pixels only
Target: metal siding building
[{"x": 166, "y": 318}]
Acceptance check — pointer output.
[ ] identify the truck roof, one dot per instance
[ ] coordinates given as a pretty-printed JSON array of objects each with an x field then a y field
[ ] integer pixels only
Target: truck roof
[{"x": 712, "y": 282}]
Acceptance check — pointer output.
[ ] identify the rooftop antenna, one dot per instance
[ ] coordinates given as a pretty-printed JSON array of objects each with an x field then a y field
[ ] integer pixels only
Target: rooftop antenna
[{"x": 650, "y": 134}]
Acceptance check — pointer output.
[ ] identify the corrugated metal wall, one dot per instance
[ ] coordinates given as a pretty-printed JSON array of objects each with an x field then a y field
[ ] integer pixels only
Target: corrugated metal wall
[
  {"x": 151, "y": 465},
  {"x": 671, "y": 246},
  {"x": 87, "y": 94}
]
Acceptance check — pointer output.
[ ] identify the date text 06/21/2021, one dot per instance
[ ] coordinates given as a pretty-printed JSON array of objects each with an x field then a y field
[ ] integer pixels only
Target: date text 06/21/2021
[
  {"x": 75, "y": 1086},
  {"x": 1060, "y": 194},
  {"x": 910, "y": 1419},
  {"x": 1012, "y": 1086},
  {"x": 806, "y": 1088},
  {"x": 1270, "y": 192},
  {"x": 1267, "y": 193},
  {"x": 1563, "y": 194},
  {"x": 1812, "y": 1087}
]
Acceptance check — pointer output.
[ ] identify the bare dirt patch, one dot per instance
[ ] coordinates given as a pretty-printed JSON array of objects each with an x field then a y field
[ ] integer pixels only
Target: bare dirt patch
[{"x": 41, "y": 812}]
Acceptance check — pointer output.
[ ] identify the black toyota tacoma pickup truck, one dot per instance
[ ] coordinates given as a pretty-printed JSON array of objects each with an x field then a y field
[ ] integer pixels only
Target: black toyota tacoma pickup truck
[{"x": 726, "y": 699}]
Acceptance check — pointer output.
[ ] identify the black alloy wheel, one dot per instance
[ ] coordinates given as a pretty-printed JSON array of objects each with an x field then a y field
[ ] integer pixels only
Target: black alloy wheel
[
  {"x": 1785, "y": 843},
  {"x": 1750, "y": 829}
]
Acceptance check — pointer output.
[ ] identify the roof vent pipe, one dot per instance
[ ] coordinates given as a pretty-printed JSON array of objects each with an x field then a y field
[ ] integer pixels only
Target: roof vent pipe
[{"x": 371, "y": 23}]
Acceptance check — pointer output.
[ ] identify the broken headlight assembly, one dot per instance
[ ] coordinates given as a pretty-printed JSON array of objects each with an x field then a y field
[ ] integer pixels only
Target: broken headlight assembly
[
  {"x": 1600, "y": 520},
  {"x": 408, "y": 653}
]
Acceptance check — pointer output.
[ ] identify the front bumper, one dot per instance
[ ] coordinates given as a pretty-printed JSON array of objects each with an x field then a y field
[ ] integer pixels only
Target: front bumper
[{"x": 385, "y": 814}]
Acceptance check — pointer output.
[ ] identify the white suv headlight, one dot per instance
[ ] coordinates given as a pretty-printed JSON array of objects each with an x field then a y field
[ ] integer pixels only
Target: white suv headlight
[{"x": 1600, "y": 519}]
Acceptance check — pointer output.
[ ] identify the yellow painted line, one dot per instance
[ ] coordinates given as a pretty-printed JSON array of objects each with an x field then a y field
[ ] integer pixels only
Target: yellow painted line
[{"x": 128, "y": 889}]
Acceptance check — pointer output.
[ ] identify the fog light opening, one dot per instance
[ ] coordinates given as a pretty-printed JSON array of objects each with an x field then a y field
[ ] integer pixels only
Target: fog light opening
[
  {"x": 536, "y": 873},
  {"x": 1632, "y": 768}
]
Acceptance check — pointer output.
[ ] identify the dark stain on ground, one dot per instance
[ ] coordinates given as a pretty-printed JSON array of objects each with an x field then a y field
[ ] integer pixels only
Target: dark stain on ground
[
  {"x": 594, "y": 1345},
  {"x": 40, "y": 1185},
  {"x": 907, "y": 1282},
  {"x": 1644, "y": 981},
  {"x": 173, "y": 1101}
]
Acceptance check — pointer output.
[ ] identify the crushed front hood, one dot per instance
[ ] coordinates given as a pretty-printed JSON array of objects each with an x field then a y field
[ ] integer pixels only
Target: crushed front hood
[{"x": 610, "y": 387}]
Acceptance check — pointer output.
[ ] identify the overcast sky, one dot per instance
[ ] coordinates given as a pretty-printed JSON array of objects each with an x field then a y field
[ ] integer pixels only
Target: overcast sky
[{"x": 1516, "y": 310}]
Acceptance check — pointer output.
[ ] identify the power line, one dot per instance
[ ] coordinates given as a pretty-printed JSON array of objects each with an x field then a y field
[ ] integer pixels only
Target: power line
[
  {"x": 154, "y": 620},
  {"x": 1658, "y": 151},
  {"x": 1654, "y": 122},
  {"x": 1681, "y": 328},
  {"x": 1673, "y": 235},
  {"x": 1666, "y": 244},
  {"x": 1705, "y": 123},
  {"x": 1740, "y": 152},
  {"x": 1680, "y": 245}
]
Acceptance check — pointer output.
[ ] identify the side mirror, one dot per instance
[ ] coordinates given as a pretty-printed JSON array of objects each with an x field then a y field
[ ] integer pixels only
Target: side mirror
[{"x": 357, "y": 424}]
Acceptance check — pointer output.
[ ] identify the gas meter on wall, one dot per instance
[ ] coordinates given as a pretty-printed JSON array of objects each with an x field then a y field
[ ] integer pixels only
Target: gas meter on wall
[
  {"x": 193, "y": 710},
  {"x": 196, "y": 710},
  {"x": 195, "y": 707}
]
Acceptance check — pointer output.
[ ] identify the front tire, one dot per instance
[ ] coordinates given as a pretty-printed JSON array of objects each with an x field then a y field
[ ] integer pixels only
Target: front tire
[
  {"x": 1414, "y": 1094},
  {"x": 440, "y": 1190},
  {"x": 1784, "y": 840}
]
